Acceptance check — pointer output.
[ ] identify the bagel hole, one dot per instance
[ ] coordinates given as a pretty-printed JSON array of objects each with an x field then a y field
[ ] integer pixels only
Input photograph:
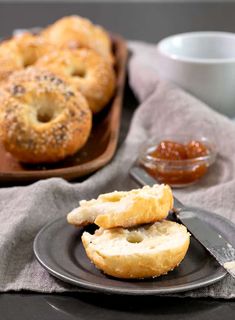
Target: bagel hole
[
  {"x": 27, "y": 64},
  {"x": 29, "y": 61},
  {"x": 45, "y": 115},
  {"x": 78, "y": 73},
  {"x": 134, "y": 237}
]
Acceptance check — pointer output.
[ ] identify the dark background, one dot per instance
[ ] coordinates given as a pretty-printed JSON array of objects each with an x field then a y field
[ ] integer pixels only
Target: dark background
[
  {"x": 140, "y": 21},
  {"x": 146, "y": 21}
]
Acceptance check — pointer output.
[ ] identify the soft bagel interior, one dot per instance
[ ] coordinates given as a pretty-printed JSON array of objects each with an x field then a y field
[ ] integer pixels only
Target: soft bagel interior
[{"x": 141, "y": 252}]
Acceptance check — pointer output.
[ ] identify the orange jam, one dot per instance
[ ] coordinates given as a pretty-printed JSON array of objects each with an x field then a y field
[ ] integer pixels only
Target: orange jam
[{"x": 181, "y": 163}]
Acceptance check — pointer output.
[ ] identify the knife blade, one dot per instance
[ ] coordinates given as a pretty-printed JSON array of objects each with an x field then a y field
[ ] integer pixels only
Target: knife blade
[{"x": 211, "y": 240}]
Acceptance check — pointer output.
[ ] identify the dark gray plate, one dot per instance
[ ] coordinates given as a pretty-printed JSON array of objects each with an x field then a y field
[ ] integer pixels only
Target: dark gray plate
[{"x": 59, "y": 249}]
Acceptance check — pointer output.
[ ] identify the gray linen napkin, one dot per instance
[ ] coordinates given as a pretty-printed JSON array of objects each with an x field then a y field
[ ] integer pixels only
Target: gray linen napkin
[{"x": 163, "y": 108}]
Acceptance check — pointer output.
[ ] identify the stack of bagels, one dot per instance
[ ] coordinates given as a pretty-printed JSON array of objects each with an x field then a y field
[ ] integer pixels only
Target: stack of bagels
[
  {"x": 134, "y": 239},
  {"x": 51, "y": 84}
]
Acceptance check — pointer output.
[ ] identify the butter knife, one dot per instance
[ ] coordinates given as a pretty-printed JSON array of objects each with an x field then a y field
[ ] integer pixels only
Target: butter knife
[{"x": 212, "y": 241}]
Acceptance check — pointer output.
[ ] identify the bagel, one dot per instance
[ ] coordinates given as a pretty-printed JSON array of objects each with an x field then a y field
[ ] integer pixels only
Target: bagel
[
  {"x": 20, "y": 52},
  {"x": 87, "y": 71},
  {"x": 147, "y": 251},
  {"x": 78, "y": 32},
  {"x": 42, "y": 119},
  {"x": 124, "y": 209}
]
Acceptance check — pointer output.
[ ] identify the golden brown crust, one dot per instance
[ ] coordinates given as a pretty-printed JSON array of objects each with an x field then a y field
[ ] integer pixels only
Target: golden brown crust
[
  {"x": 141, "y": 210},
  {"x": 21, "y": 51},
  {"x": 112, "y": 253},
  {"x": 87, "y": 71},
  {"x": 78, "y": 32},
  {"x": 125, "y": 209},
  {"x": 42, "y": 119}
]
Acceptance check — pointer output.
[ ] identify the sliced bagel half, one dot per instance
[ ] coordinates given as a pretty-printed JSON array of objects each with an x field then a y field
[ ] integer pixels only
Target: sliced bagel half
[
  {"x": 142, "y": 252},
  {"x": 125, "y": 208}
]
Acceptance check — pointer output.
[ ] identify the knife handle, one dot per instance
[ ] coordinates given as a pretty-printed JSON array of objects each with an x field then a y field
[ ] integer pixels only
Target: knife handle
[{"x": 143, "y": 178}]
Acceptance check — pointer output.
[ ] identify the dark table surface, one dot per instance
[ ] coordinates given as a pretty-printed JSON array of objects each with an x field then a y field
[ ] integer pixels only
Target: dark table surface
[{"x": 141, "y": 21}]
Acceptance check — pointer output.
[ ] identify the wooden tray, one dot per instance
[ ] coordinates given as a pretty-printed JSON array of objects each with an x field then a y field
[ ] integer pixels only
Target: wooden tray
[{"x": 97, "y": 152}]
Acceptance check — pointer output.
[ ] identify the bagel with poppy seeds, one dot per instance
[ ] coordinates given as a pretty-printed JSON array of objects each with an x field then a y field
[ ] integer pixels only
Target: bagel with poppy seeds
[
  {"x": 77, "y": 32},
  {"x": 42, "y": 118},
  {"x": 20, "y": 52},
  {"x": 87, "y": 71}
]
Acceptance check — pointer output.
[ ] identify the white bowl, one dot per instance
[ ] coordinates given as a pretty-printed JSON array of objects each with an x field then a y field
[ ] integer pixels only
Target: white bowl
[{"x": 202, "y": 63}]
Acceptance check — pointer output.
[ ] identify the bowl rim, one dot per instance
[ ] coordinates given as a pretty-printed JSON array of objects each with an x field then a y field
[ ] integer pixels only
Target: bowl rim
[{"x": 194, "y": 34}]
